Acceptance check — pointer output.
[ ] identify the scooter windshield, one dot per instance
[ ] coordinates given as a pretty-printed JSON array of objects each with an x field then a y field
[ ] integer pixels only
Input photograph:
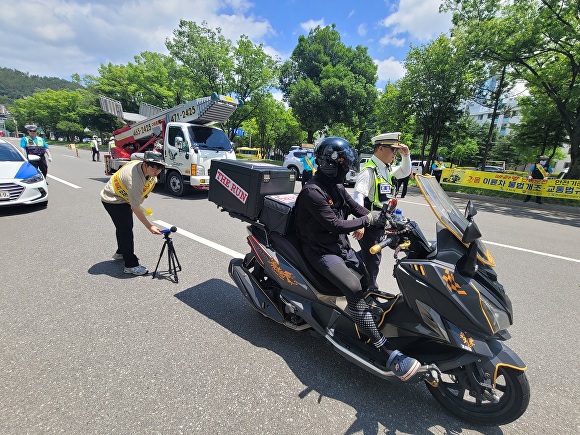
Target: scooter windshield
[{"x": 448, "y": 213}]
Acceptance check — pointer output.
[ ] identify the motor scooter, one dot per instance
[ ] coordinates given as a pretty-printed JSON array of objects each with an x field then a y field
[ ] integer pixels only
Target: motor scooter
[{"x": 452, "y": 314}]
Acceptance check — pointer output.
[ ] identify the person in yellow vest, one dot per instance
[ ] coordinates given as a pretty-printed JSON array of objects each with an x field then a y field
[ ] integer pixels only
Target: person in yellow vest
[
  {"x": 35, "y": 145},
  {"x": 540, "y": 170},
  {"x": 122, "y": 196},
  {"x": 374, "y": 186},
  {"x": 309, "y": 166},
  {"x": 437, "y": 168}
]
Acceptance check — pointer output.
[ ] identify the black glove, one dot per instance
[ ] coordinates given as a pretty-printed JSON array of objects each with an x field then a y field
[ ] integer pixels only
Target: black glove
[{"x": 377, "y": 219}]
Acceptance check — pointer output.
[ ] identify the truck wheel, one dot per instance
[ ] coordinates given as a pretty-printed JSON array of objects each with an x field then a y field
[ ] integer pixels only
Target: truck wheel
[{"x": 174, "y": 183}]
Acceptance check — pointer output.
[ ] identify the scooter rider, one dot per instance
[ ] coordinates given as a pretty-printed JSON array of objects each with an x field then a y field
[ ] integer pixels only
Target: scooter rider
[
  {"x": 374, "y": 186},
  {"x": 322, "y": 209}
]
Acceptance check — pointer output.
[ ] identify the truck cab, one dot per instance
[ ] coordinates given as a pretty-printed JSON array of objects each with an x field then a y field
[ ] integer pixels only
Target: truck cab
[{"x": 189, "y": 150}]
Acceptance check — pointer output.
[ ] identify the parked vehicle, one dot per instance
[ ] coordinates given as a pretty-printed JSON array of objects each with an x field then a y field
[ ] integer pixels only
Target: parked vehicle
[
  {"x": 351, "y": 178},
  {"x": 452, "y": 314},
  {"x": 182, "y": 134},
  {"x": 292, "y": 161},
  {"x": 21, "y": 183},
  {"x": 249, "y": 153},
  {"x": 417, "y": 167}
]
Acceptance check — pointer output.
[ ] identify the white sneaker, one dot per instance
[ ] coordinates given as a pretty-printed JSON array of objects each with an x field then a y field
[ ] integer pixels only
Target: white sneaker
[
  {"x": 117, "y": 256},
  {"x": 137, "y": 270}
]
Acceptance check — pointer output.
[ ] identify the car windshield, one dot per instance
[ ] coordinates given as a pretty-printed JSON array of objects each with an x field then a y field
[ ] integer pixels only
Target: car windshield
[
  {"x": 9, "y": 154},
  {"x": 448, "y": 213},
  {"x": 207, "y": 138}
]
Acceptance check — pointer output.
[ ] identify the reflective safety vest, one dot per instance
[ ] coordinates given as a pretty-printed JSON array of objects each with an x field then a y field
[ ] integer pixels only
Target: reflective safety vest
[
  {"x": 539, "y": 172},
  {"x": 35, "y": 148},
  {"x": 122, "y": 192},
  {"x": 383, "y": 188}
]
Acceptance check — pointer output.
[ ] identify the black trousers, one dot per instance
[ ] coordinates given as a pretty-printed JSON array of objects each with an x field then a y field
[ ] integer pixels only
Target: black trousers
[
  {"x": 403, "y": 182},
  {"x": 122, "y": 217},
  {"x": 351, "y": 278},
  {"x": 96, "y": 153},
  {"x": 306, "y": 175},
  {"x": 43, "y": 166},
  {"x": 371, "y": 237}
]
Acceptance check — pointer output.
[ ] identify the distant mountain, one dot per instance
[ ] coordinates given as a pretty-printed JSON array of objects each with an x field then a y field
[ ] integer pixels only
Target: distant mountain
[{"x": 16, "y": 84}]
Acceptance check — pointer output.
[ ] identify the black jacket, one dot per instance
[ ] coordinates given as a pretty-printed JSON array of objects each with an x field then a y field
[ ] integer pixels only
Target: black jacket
[{"x": 322, "y": 209}]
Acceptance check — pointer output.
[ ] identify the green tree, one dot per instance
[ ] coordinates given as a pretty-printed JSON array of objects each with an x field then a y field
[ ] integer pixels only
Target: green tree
[
  {"x": 541, "y": 130},
  {"x": 438, "y": 79},
  {"x": 64, "y": 112},
  {"x": 243, "y": 71},
  {"x": 540, "y": 40},
  {"x": 326, "y": 82}
]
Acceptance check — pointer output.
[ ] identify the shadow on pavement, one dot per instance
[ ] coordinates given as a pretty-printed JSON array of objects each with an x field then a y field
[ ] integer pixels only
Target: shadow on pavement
[
  {"x": 112, "y": 268},
  {"x": 398, "y": 407}
]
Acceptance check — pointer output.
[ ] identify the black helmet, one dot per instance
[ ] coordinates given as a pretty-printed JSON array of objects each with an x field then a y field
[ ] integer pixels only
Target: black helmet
[{"x": 334, "y": 157}]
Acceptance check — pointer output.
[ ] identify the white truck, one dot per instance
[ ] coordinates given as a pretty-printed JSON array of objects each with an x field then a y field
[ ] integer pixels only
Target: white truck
[{"x": 182, "y": 134}]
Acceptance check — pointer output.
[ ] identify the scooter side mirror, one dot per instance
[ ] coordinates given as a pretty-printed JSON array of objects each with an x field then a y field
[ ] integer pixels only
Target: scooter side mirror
[
  {"x": 471, "y": 233},
  {"x": 470, "y": 210}
]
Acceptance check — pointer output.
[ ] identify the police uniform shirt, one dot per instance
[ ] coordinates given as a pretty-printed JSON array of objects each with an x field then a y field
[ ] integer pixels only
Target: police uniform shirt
[{"x": 365, "y": 182}]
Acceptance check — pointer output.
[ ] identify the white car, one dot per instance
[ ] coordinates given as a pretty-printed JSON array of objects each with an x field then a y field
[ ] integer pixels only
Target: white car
[
  {"x": 417, "y": 167},
  {"x": 292, "y": 161},
  {"x": 20, "y": 181}
]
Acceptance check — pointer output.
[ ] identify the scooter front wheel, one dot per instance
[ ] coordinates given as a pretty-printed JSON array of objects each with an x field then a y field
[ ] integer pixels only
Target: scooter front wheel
[{"x": 490, "y": 407}]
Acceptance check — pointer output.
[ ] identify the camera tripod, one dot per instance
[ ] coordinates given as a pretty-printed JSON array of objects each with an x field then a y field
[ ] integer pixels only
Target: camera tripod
[{"x": 172, "y": 259}]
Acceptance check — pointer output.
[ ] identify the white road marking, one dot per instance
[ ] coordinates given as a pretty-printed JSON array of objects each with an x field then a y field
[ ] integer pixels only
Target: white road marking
[
  {"x": 202, "y": 240},
  {"x": 64, "y": 182},
  {"x": 531, "y": 251},
  {"x": 235, "y": 254}
]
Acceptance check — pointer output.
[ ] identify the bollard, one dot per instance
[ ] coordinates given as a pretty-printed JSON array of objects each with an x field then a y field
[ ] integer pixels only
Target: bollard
[{"x": 77, "y": 151}]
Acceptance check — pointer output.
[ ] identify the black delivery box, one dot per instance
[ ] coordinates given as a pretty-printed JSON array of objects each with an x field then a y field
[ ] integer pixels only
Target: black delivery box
[
  {"x": 277, "y": 213},
  {"x": 240, "y": 187}
]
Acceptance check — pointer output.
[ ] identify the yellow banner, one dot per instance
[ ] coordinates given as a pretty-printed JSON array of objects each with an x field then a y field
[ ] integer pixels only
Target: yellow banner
[{"x": 567, "y": 189}]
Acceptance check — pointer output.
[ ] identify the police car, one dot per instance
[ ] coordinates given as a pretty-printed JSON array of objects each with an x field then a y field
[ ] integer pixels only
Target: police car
[{"x": 20, "y": 181}]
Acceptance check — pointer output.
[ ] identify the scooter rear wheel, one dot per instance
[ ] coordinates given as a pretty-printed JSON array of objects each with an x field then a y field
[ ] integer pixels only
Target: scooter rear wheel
[{"x": 512, "y": 389}]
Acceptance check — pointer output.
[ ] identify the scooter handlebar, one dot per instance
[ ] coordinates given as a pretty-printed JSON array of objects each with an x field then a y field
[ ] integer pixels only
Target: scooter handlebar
[{"x": 379, "y": 246}]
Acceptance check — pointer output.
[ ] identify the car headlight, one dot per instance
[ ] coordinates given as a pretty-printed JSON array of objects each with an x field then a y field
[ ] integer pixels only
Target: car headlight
[
  {"x": 498, "y": 319},
  {"x": 34, "y": 179}
]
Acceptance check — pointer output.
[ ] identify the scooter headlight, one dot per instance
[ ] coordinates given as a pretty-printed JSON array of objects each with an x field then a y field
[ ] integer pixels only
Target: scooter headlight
[
  {"x": 34, "y": 179},
  {"x": 497, "y": 318}
]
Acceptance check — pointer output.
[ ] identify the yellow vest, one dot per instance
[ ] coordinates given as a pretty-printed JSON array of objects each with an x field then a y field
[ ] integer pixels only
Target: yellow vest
[{"x": 121, "y": 190}]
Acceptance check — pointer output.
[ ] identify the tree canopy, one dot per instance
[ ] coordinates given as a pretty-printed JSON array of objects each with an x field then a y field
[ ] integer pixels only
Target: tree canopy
[{"x": 326, "y": 82}]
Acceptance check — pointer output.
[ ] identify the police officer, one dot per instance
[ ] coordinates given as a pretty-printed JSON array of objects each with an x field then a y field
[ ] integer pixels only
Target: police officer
[
  {"x": 309, "y": 166},
  {"x": 540, "y": 170},
  {"x": 374, "y": 186},
  {"x": 322, "y": 210},
  {"x": 35, "y": 145}
]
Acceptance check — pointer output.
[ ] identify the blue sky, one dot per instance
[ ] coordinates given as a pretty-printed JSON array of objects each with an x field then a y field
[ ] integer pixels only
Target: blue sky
[{"x": 63, "y": 37}]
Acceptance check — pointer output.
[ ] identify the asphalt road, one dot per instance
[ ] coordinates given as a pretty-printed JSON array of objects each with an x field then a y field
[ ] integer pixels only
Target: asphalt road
[{"x": 85, "y": 348}]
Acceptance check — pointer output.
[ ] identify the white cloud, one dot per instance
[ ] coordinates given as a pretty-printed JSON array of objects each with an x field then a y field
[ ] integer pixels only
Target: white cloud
[
  {"x": 76, "y": 36},
  {"x": 391, "y": 40},
  {"x": 275, "y": 54},
  {"x": 307, "y": 26},
  {"x": 419, "y": 18},
  {"x": 362, "y": 29},
  {"x": 390, "y": 70}
]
